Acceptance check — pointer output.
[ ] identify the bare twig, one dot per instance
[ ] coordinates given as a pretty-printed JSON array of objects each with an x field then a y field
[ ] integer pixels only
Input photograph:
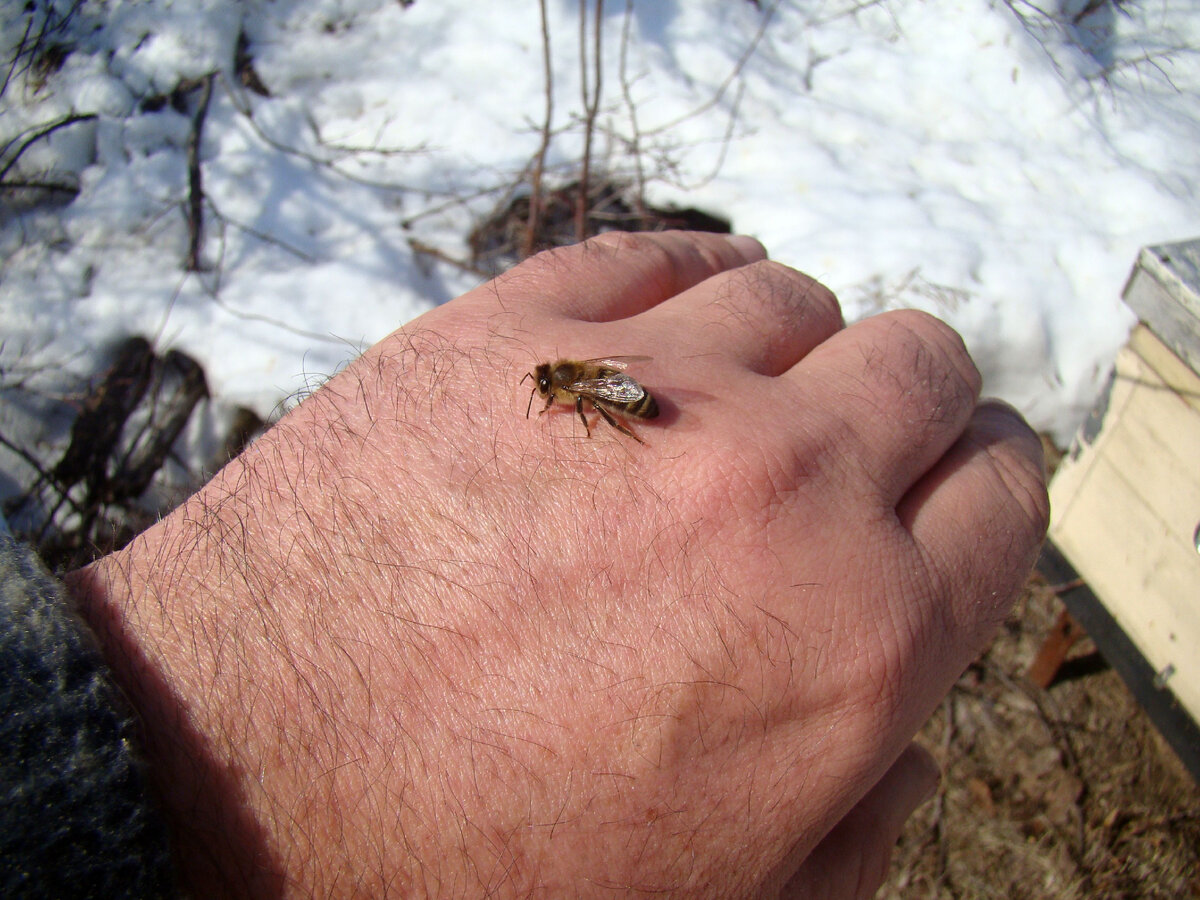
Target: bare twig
[
  {"x": 591, "y": 104},
  {"x": 539, "y": 165},
  {"x": 420, "y": 246},
  {"x": 843, "y": 13},
  {"x": 1040, "y": 23},
  {"x": 43, "y": 475},
  {"x": 507, "y": 188},
  {"x": 177, "y": 385},
  {"x": 1166, "y": 54},
  {"x": 637, "y": 145},
  {"x": 50, "y": 24},
  {"x": 37, "y": 136},
  {"x": 726, "y": 140},
  {"x": 239, "y": 102},
  {"x": 17, "y": 54},
  {"x": 195, "y": 185},
  {"x": 724, "y": 86},
  {"x": 52, "y": 186},
  {"x": 261, "y": 235},
  {"x": 635, "y": 141}
]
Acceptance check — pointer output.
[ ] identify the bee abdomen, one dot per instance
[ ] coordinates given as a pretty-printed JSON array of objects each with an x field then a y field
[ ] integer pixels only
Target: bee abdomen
[{"x": 646, "y": 408}]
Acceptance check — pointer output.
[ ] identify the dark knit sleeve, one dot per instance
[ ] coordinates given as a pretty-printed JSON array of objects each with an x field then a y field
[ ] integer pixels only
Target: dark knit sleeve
[{"x": 75, "y": 818}]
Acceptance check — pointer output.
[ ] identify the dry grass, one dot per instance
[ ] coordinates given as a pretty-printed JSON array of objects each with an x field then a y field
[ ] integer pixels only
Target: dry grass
[{"x": 1068, "y": 792}]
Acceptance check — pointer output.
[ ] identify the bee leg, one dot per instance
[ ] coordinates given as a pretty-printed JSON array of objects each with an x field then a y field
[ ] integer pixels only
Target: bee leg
[
  {"x": 549, "y": 403},
  {"x": 582, "y": 417},
  {"x": 617, "y": 425}
]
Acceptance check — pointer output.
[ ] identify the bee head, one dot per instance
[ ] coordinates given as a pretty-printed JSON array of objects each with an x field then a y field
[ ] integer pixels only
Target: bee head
[{"x": 541, "y": 384}]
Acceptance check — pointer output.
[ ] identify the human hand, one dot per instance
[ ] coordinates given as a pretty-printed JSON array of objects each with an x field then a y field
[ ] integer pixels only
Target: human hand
[{"x": 414, "y": 642}]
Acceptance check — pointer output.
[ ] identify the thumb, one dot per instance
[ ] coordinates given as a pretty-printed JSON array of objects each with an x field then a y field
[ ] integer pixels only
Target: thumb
[{"x": 852, "y": 860}]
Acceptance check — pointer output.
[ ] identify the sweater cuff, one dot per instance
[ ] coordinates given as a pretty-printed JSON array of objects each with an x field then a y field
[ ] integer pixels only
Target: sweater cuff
[{"x": 76, "y": 819}]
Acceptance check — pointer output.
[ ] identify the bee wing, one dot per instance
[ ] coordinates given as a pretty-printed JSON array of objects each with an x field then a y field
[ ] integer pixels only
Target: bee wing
[
  {"x": 616, "y": 362},
  {"x": 614, "y": 387}
]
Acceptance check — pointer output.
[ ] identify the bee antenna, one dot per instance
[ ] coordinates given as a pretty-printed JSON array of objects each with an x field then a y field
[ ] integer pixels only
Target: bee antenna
[
  {"x": 529, "y": 406},
  {"x": 527, "y": 375}
]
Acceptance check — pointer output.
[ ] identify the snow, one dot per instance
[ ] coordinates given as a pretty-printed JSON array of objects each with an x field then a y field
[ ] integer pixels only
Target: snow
[{"x": 994, "y": 165}]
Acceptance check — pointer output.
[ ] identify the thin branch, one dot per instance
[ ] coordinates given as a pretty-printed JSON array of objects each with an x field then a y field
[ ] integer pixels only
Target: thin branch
[
  {"x": 195, "y": 185},
  {"x": 635, "y": 142},
  {"x": 262, "y": 235},
  {"x": 539, "y": 165},
  {"x": 53, "y": 186},
  {"x": 274, "y": 322},
  {"x": 729, "y": 79},
  {"x": 17, "y": 54},
  {"x": 726, "y": 140},
  {"x": 37, "y": 136},
  {"x": 591, "y": 104},
  {"x": 419, "y": 246},
  {"x": 844, "y": 13},
  {"x": 48, "y": 27},
  {"x": 244, "y": 108},
  {"x": 32, "y": 461},
  {"x": 352, "y": 150}
]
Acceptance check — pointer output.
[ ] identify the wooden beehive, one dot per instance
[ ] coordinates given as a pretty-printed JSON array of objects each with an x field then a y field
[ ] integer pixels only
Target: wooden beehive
[{"x": 1126, "y": 499}]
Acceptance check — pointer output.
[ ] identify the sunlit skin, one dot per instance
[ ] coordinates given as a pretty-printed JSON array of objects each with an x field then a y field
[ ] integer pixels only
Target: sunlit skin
[{"x": 414, "y": 643}]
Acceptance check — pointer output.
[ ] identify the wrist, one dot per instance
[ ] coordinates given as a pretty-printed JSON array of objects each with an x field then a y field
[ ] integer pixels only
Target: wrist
[
  {"x": 286, "y": 637},
  {"x": 145, "y": 604}
]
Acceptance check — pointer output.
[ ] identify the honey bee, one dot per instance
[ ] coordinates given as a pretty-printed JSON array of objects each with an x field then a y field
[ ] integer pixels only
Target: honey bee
[{"x": 599, "y": 382}]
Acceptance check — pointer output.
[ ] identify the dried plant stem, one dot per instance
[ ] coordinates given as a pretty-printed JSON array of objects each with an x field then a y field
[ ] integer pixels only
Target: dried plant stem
[
  {"x": 535, "y": 200},
  {"x": 635, "y": 139},
  {"x": 37, "y": 136},
  {"x": 591, "y": 104},
  {"x": 195, "y": 184}
]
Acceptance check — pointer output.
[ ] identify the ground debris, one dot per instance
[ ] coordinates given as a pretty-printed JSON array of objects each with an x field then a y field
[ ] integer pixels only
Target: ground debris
[
  {"x": 1068, "y": 792},
  {"x": 118, "y": 470},
  {"x": 503, "y": 238}
]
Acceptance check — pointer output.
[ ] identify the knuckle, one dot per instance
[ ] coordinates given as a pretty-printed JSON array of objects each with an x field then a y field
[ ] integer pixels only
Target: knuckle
[
  {"x": 930, "y": 360},
  {"x": 781, "y": 300},
  {"x": 789, "y": 289},
  {"x": 1023, "y": 479},
  {"x": 930, "y": 331}
]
